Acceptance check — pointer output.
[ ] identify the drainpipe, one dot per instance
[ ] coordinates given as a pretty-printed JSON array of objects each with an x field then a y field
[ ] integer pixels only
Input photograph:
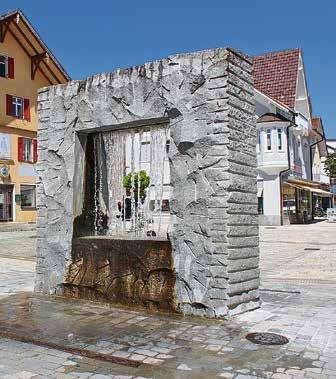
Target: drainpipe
[{"x": 286, "y": 169}]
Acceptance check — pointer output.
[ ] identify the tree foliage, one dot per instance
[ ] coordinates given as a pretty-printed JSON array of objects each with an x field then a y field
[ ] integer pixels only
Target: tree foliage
[
  {"x": 330, "y": 165},
  {"x": 144, "y": 182}
]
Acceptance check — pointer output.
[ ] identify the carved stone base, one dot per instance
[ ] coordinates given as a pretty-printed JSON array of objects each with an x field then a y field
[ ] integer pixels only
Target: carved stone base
[{"x": 129, "y": 272}]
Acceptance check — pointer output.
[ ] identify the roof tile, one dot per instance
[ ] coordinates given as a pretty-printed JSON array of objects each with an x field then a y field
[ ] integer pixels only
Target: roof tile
[{"x": 275, "y": 74}]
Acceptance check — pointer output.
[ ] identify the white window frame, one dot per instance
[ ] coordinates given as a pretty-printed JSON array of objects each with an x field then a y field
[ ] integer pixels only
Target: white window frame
[
  {"x": 16, "y": 102},
  {"x": 28, "y": 151}
]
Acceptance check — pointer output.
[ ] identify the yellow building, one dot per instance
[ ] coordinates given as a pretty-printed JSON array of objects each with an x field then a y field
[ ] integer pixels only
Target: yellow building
[{"x": 26, "y": 64}]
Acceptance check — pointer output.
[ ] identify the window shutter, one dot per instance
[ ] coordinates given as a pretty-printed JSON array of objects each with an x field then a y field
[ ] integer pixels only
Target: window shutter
[
  {"x": 26, "y": 109},
  {"x": 10, "y": 68},
  {"x": 9, "y": 103},
  {"x": 34, "y": 150},
  {"x": 20, "y": 149}
]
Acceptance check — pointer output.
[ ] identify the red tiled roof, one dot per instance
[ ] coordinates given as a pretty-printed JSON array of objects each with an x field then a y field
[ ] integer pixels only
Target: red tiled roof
[
  {"x": 316, "y": 123},
  {"x": 275, "y": 74}
]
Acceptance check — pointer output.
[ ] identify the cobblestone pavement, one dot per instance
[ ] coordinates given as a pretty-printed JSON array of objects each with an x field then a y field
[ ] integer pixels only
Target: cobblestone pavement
[
  {"x": 298, "y": 301},
  {"x": 17, "y": 244}
]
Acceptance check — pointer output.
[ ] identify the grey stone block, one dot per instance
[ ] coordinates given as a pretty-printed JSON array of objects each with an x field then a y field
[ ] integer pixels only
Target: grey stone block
[{"x": 207, "y": 99}]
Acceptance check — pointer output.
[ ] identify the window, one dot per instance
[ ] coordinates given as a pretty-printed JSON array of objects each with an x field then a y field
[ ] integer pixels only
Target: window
[
  {"x": 18, "y": 107},
  {"x": 261, "y": 205},
  {"x": 4, "y": 146},
  {"x": 279, "y": 139},
  {"x": 3, "y": 66},
  {"x": 269, "y": 139},
  {"x": 6, "y": 67},
  {"x": 28, "y": 196},
  {"x": 167, "y": 148},
  {"x": 258, "y": 141},
  {"x": 145, "y": 151},
  {"x": 164, "y": 205},
  {"x": 27, "y": 150}
]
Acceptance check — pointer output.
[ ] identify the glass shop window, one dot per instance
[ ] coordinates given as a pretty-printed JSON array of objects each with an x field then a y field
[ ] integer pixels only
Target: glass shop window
[{"x": 28, "y": 196}]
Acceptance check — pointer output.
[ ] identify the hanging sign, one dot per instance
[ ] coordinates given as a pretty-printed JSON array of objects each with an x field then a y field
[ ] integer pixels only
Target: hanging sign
[{"x": 4, "y": 171}]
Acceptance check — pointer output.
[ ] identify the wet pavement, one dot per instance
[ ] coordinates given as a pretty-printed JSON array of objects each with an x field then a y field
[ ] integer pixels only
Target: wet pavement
[{"x": 43, "y": 337}]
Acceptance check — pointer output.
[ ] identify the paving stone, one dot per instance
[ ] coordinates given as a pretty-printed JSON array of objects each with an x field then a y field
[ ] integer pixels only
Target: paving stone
[
  {"x": 183, "y": 367},
  {"x": 137, "y": 357},
  {"x": 227, "y": 375},
  {"x": 165, "y": 356},
  {"x": 153, "y": 361},
  {"x": 149, "y": 353},
  {"x": 121, "y": 354},
  {"x": 310, "y": 312}
]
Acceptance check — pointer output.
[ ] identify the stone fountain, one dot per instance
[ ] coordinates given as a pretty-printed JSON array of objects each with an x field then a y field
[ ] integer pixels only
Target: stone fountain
[{"x": 184, "y": 237}]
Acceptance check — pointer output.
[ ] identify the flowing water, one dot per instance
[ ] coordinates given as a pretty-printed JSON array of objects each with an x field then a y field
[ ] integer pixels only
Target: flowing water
[{"x": 132, "y": 211}]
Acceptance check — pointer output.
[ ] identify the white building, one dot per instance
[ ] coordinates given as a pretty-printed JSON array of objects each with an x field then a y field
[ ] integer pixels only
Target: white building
[
  {"x": 331, "y": 147},
  {"x": 287, "y": 142}
]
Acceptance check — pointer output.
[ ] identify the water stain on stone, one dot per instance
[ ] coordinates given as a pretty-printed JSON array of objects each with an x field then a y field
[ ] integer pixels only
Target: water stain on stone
[{"x": 128, "y": 272}]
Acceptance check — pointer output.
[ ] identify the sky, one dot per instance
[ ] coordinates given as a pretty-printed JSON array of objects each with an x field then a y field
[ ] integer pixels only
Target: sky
[{"x": 89, "y": 37}]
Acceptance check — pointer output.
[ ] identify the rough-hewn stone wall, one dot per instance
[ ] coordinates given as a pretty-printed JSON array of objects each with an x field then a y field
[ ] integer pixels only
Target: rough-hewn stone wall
[{"x": 207, "y": 98}]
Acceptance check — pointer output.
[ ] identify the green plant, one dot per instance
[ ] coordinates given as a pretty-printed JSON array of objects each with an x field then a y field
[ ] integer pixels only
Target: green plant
[
  {"x": 144, "y": 182},
  {"x": 330, "y": 165}
]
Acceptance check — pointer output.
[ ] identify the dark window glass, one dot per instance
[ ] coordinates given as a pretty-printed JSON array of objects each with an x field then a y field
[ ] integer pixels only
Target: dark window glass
[
  {"x": 269, "y": 139},
  {"x": 3, "y": 66}
]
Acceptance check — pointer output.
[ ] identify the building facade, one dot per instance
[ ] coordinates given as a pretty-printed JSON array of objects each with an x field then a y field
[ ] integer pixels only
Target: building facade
[
  {"x": 287, "y": 143},
  {"x": 331, "y": 148},
  {"x": 26, "y": 65}
]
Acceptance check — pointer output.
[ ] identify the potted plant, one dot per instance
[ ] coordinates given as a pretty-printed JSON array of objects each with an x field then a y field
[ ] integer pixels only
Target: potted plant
[{"x": 144, "y": 184}]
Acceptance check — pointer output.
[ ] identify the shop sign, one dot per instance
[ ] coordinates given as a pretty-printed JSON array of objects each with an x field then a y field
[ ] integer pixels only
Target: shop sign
[
  {"x": 331, "y": 214},
  {"x": 18, "y": 198}
]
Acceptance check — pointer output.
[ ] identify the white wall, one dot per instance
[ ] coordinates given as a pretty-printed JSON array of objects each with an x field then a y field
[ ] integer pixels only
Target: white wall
[
  {"x": 276, "y": 159},
  {"x": 271, "y": 194}
]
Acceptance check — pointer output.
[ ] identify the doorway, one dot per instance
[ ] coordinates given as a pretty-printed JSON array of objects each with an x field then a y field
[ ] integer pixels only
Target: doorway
[{"x": 6, "y": 202}]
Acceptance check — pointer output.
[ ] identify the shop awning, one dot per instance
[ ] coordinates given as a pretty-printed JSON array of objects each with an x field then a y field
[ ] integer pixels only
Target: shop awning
[
  {"x": 317, "y": 191},
  {"x": 322, "y": 192}
]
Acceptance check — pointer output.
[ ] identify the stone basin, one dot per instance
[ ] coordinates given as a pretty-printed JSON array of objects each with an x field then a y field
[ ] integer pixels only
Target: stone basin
[{"x": 135, "y": 271}]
